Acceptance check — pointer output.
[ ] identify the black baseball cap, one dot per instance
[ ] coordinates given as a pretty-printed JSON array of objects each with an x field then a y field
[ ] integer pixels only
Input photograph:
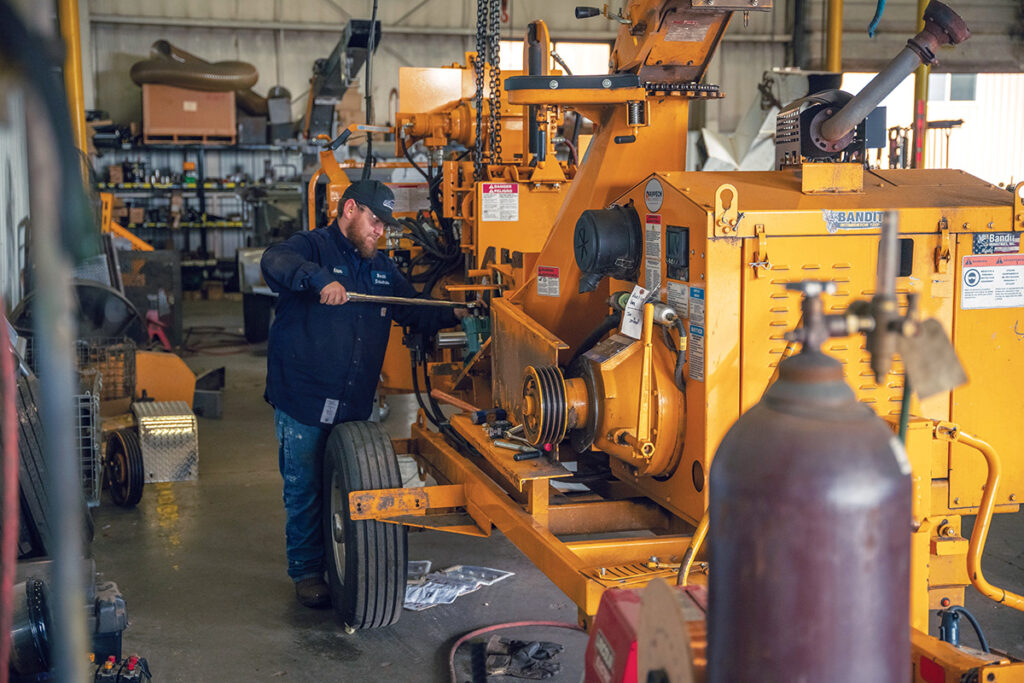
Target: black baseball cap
[{"x": 375, "y": 195}]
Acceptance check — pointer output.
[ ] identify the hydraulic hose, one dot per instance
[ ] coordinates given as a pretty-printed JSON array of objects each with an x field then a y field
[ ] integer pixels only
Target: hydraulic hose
[
  {"x": 696, "y": 541},
  {"x": 368, "y": 164},
  {"x": 680, "y": 356},
  {"x": 606, "y": 326}
]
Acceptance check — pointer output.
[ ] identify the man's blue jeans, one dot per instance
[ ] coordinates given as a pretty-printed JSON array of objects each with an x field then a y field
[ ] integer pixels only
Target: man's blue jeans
[{"x": 300, "y": 459}]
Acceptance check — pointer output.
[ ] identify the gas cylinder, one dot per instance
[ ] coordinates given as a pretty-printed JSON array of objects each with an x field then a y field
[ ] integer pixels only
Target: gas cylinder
[{"x": 810, "y": 525}]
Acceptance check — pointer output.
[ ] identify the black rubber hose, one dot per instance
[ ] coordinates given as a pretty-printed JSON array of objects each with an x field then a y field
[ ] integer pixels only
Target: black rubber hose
[
  {"x": 974, "y": 623},
  {"x": 370, "y": 46},
  {"x": 416, "y": 387},
  {"x": 606, "y": 326},
  {"x": 680, "y": 356}
]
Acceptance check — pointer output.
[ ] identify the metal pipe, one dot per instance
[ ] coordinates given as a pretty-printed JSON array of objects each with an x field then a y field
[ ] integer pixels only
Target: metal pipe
[
  {"x": 311, "y": 199},
  {"x": 439, "y": 395},
  {"x": 69, "y": 29},
  {"x": 449, "y": 339},
  {"x": 920, "y": 100},
  {"x": 942, "y": 26},
  {"x": 696, "y": 541},
  {"x": 952, "y": 432},
  {"x": 408, "y": 301},
  {"x": 54, "y": 336},
  {"x": 834, "y": 46},
  {"x": 857, "y": 109},
  {"x": 801, "y": 50},
  {"x": 392, "y": 29}
]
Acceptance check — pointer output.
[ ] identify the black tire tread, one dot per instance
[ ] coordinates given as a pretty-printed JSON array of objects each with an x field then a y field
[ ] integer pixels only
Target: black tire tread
[{"x": 376, "y": 552}]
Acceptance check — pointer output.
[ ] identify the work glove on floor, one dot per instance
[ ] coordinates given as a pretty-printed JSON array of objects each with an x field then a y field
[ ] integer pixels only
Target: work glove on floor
[{"x": 531, "y": 660}]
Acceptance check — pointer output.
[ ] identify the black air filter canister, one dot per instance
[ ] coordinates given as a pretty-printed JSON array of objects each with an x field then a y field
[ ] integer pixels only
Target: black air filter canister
[{"x": 608, "y": 243}]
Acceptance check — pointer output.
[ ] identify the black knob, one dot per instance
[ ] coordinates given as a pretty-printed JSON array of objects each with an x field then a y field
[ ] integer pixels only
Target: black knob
[{"x": 587, "y": 12}]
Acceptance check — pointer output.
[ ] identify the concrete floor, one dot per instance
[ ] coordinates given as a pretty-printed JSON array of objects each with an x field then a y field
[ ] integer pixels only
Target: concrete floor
[{"x": 202, "y": 566}]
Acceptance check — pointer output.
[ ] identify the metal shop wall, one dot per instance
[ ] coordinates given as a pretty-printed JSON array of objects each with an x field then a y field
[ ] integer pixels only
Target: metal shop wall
[
  {"x": 14, "y": 199},
  {"x": 995, "y": 46},
  {"x": 283, "y": 39}
]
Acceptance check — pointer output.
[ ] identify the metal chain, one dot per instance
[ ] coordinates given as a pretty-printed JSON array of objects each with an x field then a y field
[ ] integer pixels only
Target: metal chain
[
  {"x": 494, "y": 57},
  {"x": 482, "y": 8}
]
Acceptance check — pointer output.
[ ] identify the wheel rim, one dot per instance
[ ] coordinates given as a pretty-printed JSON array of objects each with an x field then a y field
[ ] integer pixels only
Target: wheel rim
[
  {"x": 338, "y": 530},
  {"x": 118, "y": 477}
]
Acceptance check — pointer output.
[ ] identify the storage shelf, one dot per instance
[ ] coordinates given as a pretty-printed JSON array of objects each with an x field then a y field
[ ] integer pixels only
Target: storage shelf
[
  {"x": 190, "y": 187},
  {"x": 232, "y": 225}
]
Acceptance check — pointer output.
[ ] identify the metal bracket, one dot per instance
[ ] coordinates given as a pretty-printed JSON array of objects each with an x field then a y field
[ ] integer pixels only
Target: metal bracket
[
  {"x": 761, "y": 262},
  {"x": 1018, "y": 207},
  {"x": 726, "y": 218},
  {"x": 942, "y": 253}
]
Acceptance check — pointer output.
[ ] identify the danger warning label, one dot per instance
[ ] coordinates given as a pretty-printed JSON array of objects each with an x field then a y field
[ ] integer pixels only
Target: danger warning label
[
  {"x": 500, "y": 202},
  {"x": 992, "y": 281},
  {"x": 547, "y": 281}
]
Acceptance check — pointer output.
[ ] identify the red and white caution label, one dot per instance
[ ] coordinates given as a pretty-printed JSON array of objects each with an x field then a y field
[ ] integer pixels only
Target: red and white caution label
[
  {"x": 992, "y": 281},
  {"x": 499, "y": 202},
  {"x": 547, "y": 281}
]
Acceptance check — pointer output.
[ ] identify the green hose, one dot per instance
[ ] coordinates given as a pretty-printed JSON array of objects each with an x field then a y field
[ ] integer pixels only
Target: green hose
[{"x": 905, "y": 408}]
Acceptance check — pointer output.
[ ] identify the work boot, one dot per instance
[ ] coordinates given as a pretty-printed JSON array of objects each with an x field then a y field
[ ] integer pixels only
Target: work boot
[{"x": 313, "y": 592}]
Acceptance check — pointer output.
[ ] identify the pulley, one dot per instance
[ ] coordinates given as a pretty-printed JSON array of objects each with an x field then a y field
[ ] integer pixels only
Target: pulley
[{"x": 552, "y": 405}]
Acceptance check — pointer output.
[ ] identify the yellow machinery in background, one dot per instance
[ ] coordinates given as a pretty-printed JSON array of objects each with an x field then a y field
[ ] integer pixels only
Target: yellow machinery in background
[
  {"x": 491, "y": 204},
  {"x": 655, "y": 313}
]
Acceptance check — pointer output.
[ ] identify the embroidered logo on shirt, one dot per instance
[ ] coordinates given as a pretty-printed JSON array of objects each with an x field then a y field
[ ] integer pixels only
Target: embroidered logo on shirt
[
  {"x": 381, "y": 277},
  {"x": 338, "y": 270}
]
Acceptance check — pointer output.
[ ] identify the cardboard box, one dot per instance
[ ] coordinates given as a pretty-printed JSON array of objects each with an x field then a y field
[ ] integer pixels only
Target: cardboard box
[
  {"x": 178, "y": 115},
  {"x": 137, "y": 215},
  {"x": 115, "y": 174}
]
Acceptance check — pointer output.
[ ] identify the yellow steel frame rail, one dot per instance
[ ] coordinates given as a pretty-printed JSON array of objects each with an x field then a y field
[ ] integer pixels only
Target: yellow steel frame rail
[{"x": 582, "y": 569}]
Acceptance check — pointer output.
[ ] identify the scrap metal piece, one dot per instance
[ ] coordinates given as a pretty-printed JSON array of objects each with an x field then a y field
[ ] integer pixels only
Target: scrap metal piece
[{"x": 169, "y": 436}]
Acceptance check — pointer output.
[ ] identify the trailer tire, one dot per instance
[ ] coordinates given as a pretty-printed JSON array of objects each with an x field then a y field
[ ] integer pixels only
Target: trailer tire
[
  {"x": 256, "y": 310},
  {"x": 366, "y": 560}
]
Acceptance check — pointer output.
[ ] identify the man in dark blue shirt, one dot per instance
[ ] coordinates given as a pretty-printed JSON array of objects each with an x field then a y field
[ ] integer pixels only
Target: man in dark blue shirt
[{"x": 324, "y": 358}]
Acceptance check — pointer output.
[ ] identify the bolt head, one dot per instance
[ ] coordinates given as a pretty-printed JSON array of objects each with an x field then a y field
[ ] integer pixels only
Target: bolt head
[{"x": 956, "y": 501}]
